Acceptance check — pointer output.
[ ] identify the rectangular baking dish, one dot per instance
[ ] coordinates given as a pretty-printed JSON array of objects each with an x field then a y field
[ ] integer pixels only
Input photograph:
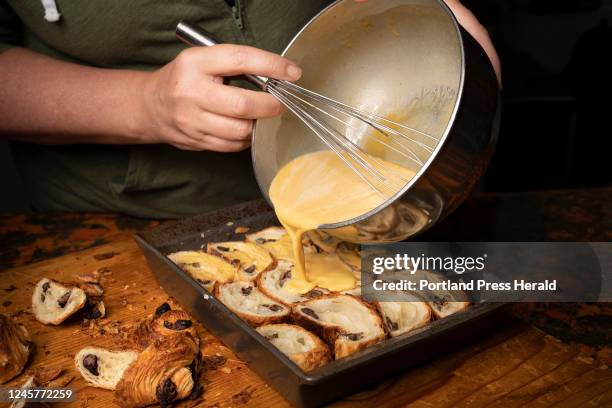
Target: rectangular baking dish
[{"x": 327, "y": 383}]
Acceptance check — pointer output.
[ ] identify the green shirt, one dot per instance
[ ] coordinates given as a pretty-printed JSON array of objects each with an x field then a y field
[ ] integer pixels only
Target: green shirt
[{"x": 153, "y": 180}]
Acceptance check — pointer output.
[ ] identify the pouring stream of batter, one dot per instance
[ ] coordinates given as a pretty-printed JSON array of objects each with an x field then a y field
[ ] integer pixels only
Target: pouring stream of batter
[{"x": 316, "y": 189}]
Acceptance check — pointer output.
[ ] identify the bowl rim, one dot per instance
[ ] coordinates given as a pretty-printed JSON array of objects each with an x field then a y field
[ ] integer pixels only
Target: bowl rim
[{"x": 433, "y": 155}]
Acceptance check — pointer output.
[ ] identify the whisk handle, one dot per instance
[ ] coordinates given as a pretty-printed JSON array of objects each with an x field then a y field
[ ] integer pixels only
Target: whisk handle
[{"x": 194, "y": 36}]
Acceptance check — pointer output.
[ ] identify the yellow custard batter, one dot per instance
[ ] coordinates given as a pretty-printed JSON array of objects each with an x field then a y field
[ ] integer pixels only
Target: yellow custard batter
[{"x": 319, "y": 188}]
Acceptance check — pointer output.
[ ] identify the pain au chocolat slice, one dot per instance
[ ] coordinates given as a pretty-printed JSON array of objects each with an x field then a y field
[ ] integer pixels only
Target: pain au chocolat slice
[
  {"x": 442, "y": 302},
  {"x": 206, "y": 269},
  {"x": 250, "y": 259},
  {"x": 52, "y": 302},
  {"x": 252, "y": 305},
  {"x": 347, "y": 323},
  {"x": 165, "y": 372},
  {"x": 103, "y": 368},
  {"x": 404, "y": 317},
  {"x": 303, "y": 347},
  {"x": 15, "y": 348},
  {"x": 278, "y": 243},
  {"x": 272, "y": 283}
]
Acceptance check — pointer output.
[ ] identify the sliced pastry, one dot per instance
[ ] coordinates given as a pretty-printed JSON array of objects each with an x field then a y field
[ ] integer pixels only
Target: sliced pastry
[
  {"x": 303, "y": 347},
  {"x": 252, "y": 305},
  {"x": 103, "y": 368},
  {"x": 163, "y": 322},
  {"x": 443, "y": 306},
  {"x": 403, "y": 317},
  {"x": 278, "y": 243},
  {"x": 442, "y": 302},
  {"x": 251, "y": 259},
  {"x": 272, "y": 283},
  {"x": 349, "y": 254},
  {"x": 52, "y": 302},
  {"x": 323, "y": 241},
  {"x": 348, "y": 324},
  {"x": 15, "y": 348},
  {"x": 165, "y": 372},
  {"x": 205, "y": 268}
]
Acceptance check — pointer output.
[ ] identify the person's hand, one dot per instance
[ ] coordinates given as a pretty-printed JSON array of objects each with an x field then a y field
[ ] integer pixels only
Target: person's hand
[
  {"x": 471, "y": 24},
  {"x": 186, "y": 104}
]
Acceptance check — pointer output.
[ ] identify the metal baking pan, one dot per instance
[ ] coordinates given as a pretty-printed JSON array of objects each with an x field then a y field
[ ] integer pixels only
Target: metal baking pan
[{"x": 327, "y": 383}]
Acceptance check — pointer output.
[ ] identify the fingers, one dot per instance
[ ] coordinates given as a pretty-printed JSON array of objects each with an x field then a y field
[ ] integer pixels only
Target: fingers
[
  {"x": 240, "y": 103},
  {"x": 208, "y": 142},
  {"x": 228, "y": 59},
  {"x": 224, "y": 127}
]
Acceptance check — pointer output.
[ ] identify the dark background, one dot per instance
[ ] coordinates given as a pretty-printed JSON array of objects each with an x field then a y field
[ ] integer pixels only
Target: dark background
[
  {"x": 557, "y": 69},
  {"x": 556, "y": 62}
]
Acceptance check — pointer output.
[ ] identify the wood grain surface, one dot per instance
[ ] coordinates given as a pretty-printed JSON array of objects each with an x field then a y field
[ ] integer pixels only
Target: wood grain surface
[{"x": 515, "y": 366}]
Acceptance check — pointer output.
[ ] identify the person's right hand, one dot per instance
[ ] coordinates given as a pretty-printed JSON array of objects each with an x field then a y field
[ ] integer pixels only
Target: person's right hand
[{"x": 186, "y": 104}]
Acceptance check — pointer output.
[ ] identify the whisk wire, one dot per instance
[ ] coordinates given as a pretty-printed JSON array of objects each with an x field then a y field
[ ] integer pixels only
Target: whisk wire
[
  {"x": 407, "y": 153},
  {"x": 310, "y": 107}
]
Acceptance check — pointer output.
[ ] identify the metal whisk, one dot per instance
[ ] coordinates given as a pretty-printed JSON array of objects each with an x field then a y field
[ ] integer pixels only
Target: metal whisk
[{"x": 323, "y": 115}]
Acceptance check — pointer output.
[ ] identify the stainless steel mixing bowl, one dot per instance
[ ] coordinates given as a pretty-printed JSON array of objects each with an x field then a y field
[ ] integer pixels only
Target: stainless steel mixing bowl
[{"x": 405, "y": 58}]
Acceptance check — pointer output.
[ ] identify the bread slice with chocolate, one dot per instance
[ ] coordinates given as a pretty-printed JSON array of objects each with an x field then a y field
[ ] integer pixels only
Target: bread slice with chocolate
[
  {"x": 163, "y": 322},
  {"x": 103, "y": 368},
  {"x": 165, "y": 372},
  {"x": 272, "y": 283},
  {"x": 252, "y": 305},
  {"x": 15, "y": 348},
  {"x": 323, "y": 241},
  {"x": 303, "y": 347},
  {"x": 205, "y": 268},
  {"x": 250, "y": 259},
  {"x": 52, "y": 302},
  {"x": 443, "y": 307},
  {"x": 347, "y": 323},
  {"x": 276, "y": 241},
  {"x": 403, "y": 317}
]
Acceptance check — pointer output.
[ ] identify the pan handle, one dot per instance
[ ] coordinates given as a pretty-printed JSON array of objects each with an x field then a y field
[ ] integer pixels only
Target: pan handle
[{"x": 197, "y": 37}]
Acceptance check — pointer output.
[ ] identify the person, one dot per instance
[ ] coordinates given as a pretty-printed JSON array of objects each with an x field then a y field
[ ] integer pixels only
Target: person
[{"x": 107, "y": 112}]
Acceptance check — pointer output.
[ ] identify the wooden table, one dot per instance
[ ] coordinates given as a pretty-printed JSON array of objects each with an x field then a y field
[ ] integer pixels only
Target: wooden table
[{"x": 517, "y": 365}]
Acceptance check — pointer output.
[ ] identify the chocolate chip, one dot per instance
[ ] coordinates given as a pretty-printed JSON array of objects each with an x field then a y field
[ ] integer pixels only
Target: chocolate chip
[
  {"x": 354, "y": 336},
  {"x": 308, "y": 311},
  {"x": 178, "y": 325},
  {"x": 313, "y": 294},
  {"x": 204, "y": 282},
  {"x": 262, "y": 240},
  {"x": 440, "y": 301},
  {"x": 272, "y": 336},
  {"x": 284, "y": 278},
  {"x": 45, "y": 287},
  {"x": 10, "y": 288},
  {"x": 90, "y": 362},
  {"x": 64, "y": 299},
  {"x": 166, "y": 392},
  {"x": 274, "y": 308},
  {"x": 163, "y": 308},
  {"x": 246, "y": 291},
  {"x": 42, "y": 297},
  {"x": 222, "y": 248},
  {"x": 391, "y": 324},
  {"x": 250, "y": 269},
  {"x": 7, "y": 303},
  {"x": 196, "y": 265},
  {"x": 301, "y": 341}
]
